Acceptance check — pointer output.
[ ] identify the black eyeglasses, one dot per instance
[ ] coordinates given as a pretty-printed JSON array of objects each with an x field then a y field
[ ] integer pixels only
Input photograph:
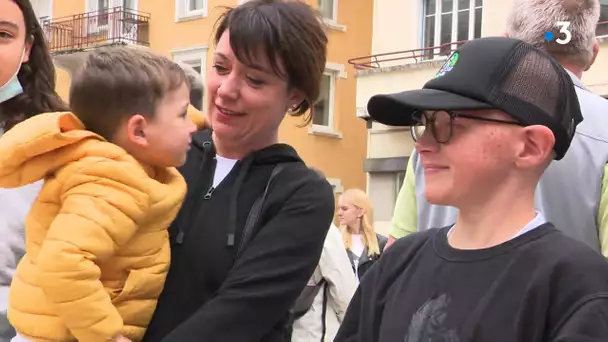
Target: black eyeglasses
[{"x": 441, "y": 123}]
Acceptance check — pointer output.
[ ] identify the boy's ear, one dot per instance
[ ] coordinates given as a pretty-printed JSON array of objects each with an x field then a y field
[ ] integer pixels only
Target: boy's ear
[
  {"x": 136, "y": 128},
  {"x": 537, "y": 146}
]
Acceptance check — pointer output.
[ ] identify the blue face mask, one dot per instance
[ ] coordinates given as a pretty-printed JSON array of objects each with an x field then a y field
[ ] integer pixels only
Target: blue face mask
[{"x": 13, "y": 87}]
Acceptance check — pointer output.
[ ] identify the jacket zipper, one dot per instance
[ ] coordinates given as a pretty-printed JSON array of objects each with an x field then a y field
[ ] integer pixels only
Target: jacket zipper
[
  {"x": 205, "y": 176},
  {"x": 209, "y": 193}
]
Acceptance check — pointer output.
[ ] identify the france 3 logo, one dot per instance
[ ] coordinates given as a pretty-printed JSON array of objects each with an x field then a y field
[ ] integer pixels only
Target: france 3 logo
[{"x": 564, "y": 37}]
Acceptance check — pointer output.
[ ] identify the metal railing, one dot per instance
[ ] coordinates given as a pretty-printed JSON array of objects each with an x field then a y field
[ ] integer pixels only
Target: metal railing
[
  {"x": 95, "y": 29},
  {"x": 415, "y": 55},
  {"x": 427, "y": 53},
  {"x": 602, "y": 29}
]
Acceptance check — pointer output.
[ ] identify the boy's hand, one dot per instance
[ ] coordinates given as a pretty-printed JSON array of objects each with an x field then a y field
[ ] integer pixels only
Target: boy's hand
[{"x": 120, "y": 338}]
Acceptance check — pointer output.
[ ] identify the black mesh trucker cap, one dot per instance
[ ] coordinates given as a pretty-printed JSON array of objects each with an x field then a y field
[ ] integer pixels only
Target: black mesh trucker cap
[{"x": 494, "y": 72}]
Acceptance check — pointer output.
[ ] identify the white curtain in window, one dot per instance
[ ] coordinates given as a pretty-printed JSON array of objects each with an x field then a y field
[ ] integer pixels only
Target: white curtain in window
[
  {"x": 195, "y": 5},
  {"x": 327, "y": 8}
]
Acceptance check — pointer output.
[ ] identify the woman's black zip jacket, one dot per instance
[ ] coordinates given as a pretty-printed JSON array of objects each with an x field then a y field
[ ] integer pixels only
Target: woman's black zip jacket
[
  {"x": 209, "y": 294},
  {"x": 366, "y": 261}
]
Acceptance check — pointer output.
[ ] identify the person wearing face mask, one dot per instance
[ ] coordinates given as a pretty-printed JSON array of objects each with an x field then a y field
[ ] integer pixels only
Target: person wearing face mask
[{"x": 27, "y": 88}]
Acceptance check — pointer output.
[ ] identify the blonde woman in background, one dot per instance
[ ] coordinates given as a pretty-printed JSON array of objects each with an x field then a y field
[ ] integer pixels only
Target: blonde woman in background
[{"x": 363, "y": 245}]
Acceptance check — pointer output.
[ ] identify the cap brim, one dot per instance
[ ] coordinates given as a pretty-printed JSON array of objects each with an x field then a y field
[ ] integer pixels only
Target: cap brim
[{"x": 397, "y": 109}]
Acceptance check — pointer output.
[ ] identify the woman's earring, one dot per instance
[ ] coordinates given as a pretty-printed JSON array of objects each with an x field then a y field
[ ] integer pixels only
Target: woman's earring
[{"x": 293, "y": 109}]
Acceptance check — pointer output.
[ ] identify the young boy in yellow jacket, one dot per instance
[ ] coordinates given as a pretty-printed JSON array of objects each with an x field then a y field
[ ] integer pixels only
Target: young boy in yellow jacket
[{"x": 97, "y": 249}]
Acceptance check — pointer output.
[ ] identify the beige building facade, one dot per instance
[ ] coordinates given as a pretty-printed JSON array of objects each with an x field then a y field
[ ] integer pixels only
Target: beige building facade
[{"x": 410, "y": 42}]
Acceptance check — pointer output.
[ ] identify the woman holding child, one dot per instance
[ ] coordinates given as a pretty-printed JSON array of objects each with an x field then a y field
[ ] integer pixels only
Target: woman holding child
[{"x": 252, "y": 227}]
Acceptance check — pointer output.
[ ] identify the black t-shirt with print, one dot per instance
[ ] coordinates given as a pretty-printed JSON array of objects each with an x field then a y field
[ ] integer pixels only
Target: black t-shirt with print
[{"x": 539, "y": 286}]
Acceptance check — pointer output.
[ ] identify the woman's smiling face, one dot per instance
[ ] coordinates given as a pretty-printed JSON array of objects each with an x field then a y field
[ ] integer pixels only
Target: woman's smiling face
[{"x": 246, "y": 102}]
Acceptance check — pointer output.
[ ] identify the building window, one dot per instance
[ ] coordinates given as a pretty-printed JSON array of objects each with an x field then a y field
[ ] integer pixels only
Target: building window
[
  {"x": 102, "y": 10},
  {"x": 336, "y": 185},
  {"x": 129, "y": 4},
  {"x": 329, "y": 9},
  {"x": 602, "y": 26},
  {"x": 190, "y": 9},
  {"x": 44, "y": 11},
  {"x": 323, "y": 120},
  {"x": 324, "y": 110},
  {"x": 196, "y": 57},
  {"x": 447, "y": 21},
  {"x": 382, "y": 192},
  {"x": 195, "y": 5},
  {"x": 97, "y": 16}
]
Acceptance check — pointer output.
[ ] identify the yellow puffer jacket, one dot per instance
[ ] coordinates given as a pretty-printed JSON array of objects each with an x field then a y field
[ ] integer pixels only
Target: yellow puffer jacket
[{"x": 96, "y": 236}]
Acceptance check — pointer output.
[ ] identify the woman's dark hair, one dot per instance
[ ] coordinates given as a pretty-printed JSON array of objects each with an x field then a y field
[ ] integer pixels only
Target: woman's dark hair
[
  {"x": 37, "y": 77},
  {"x": 285, "y": 30}
]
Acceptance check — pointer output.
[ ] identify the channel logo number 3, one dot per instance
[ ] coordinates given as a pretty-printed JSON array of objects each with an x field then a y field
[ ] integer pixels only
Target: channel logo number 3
[{"x": 563, "y": 28}]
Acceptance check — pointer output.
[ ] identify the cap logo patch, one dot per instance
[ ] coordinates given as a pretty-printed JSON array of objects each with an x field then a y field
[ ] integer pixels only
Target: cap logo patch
[{"x": 448, "y": 65}]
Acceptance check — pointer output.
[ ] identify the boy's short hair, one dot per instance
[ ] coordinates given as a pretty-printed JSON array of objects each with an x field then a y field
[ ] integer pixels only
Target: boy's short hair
[{"x": 117, "y": 82}]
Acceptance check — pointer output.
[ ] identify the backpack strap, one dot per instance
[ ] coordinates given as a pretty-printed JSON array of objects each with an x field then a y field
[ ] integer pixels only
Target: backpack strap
[
  {"x": 256, "y": 210},
  {"x": 324, "y": 312},
  {"x": 306, "y": 299}
]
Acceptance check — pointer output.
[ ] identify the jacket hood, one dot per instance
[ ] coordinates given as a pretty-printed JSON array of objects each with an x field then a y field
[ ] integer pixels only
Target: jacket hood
[
  {"x": 37, "y": 146},
  {"x": 277, "y": 153},
  {"x": 274, "y": 154}
]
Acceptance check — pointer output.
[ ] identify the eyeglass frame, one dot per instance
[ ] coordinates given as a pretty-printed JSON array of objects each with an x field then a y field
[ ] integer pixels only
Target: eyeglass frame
[{"x": 453, "y": 115}]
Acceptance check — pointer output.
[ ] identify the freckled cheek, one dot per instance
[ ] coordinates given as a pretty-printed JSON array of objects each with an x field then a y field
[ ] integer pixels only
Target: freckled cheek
[
  {"x": 493, "y": 157},
  {"x": 500, "y": 146},
  {"x": 468, "y": 158}
]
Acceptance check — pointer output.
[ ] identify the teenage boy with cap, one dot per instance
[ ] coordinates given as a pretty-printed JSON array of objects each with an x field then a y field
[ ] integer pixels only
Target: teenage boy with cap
[{"x": 486, "y": 127}]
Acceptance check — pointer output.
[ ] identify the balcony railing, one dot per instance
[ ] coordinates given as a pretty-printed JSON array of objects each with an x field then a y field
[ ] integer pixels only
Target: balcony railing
[
  {"x": 405, "y": 56},
  {"x": 602, "y": 29},
  {"x": 427, "y": 53},
  {"x": 95, "y": 29}
]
